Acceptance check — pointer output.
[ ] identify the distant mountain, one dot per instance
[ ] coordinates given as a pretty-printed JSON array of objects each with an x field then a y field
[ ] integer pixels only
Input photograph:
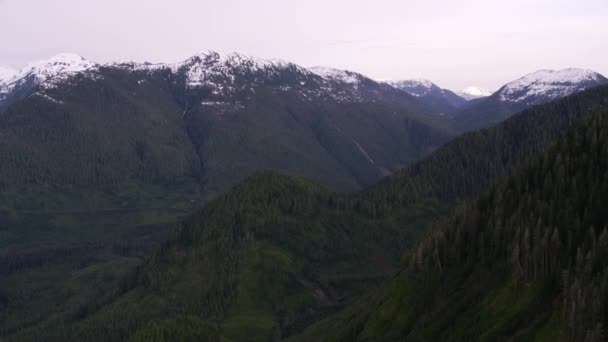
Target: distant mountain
[
  {"x": 471, "y": 93},
  {"x": 546, "y": 85},
  {"x": 212, "y": 119},
  {"x": 442, "y": 101},
  {"x": 535, "y": 88}
]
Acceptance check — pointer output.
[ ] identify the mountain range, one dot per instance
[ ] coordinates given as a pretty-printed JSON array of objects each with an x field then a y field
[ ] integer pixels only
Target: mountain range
[
  {"x": 477, "y": 108},
  {"x": 279, "y": 252},
  {"x": 212, "y": 119},
  {"x": 227, "y": 197},
  {"x": 442, "y": 101}
]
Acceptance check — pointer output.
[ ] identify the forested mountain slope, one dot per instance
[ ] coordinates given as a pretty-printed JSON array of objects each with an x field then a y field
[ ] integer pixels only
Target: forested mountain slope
[
  {"x": 212, "y": 120},
  {"x": 269, "y": 257},
  {"x": 92, "y": 153},
  {"x": 475, "y": 160},
  {"x": 279, "y": 252},
  {"x": 525, "y": 260}
]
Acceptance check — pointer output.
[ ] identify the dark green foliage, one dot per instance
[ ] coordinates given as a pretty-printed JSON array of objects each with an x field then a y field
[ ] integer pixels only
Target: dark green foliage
[
  {"x": 527, "y": 259},
  {"x": 104, "y": 133},
  {"x": 98, "y": 167},
  {"x": 122, "y": 125},
  {"x": 483, "y": 113},
  {"x": 271, "y": 256},
  {"x": 279, "y": 252},
  {"x": 475, "y": 160}
]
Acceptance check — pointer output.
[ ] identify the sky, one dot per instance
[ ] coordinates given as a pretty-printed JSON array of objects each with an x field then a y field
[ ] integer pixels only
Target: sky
[{"x": 455, "y": 44}]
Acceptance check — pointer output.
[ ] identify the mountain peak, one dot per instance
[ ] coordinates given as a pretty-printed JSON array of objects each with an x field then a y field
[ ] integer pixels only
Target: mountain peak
[
  {"x": 568, "y": 75},
  {"x": 56, "y": 68},
  {"x": 205, "y": 67},
  {"x": 545, "y": 85},
  {"x": 474, "y": 92},
  {"x": 45, "y": 74},
  {"x": 60, "y": 63}
]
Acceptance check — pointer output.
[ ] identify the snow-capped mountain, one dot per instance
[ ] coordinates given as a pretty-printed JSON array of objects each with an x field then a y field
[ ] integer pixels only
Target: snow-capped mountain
[
  {"x": 532, "y": 89},
  {"x": 233, "y": 73},
  {"x": 211, "y": 70},
  {"x": 240, "y": 113},
  {"x": 218, "y": 82},
  {"x": 546, "y": 85},
  {"x": 472, "y": 92},
  {"x": 41, "y": 75},
  {"x": 57, "y": 68},
  {"x": 419, "y": 87},
  {"x": 441, "y": 100}
]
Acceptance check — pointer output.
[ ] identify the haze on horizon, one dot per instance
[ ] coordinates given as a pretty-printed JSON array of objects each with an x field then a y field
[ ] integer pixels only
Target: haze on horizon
[{"x": 454, "y": 44}]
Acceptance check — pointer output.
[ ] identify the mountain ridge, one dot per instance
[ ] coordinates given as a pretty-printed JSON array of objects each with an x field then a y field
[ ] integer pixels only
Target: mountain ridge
[
  {"x": 443, "y": 101},
  {"x": 226, "y": 106},
  {"x": 532, "y": 89}
]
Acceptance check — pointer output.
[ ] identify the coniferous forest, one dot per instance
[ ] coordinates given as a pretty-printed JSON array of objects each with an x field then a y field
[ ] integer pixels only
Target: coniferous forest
[
  {"x": 332, "y": 171},
  {"x": 510, "y": 222}
]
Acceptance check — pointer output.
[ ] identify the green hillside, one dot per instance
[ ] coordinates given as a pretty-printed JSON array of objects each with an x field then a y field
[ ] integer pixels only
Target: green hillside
[
  {"x": 269, "y": 257},
  {"x": 525, "y": 260},
  {"x": 278, "y": 252}
]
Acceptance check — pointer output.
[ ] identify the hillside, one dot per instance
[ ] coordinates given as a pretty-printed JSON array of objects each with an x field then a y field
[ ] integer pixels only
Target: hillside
[
  {"x": 102, "y": 154},
  {"x": 269, "y": 257},
  {"x": 475, "y": 160},
  {"x": 321, "y": 249},
  {"x": 525, "y": 260},
  {"x": 209, "y": 121}
]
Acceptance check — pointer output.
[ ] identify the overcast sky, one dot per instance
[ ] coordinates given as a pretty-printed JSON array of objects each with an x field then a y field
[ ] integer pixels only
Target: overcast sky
[{"x": 453, "y": 43}]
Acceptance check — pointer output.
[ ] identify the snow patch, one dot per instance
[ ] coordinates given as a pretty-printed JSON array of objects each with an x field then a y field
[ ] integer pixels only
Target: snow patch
[
  {"x": 60, "y": 66},
  {"x": 473, "y": 92},
  {"x": 211, "y": 68},
  {"x": 338, "y": 75},
  {"x": 415, "y": 87},
  {"x": 213, "y": 103},
  {"x": 50, "y": 72},
  {"x": 545, "y": 85},
  {"x": 48, "y": 98}
]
